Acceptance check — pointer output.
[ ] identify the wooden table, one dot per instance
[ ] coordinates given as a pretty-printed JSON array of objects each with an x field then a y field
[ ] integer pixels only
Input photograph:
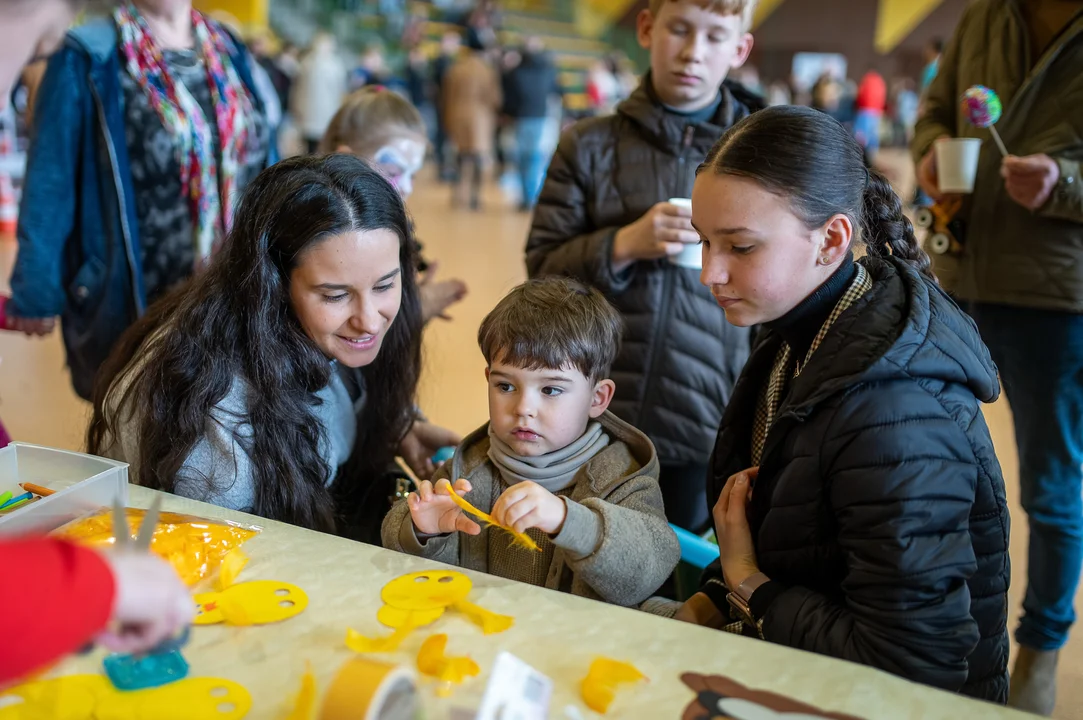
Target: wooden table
[{"x": 556, "y": 633}]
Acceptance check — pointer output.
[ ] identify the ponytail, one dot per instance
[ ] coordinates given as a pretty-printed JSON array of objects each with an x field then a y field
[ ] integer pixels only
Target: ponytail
[
  {"x": 886, "y": 230},
  {"x": 810, "y": 159}
]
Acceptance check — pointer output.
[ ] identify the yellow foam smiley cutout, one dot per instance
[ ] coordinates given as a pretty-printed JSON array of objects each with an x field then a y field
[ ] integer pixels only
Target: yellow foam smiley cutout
[
  {"x": 78, "y": 697},
  {"x": 257, "y": 602},
  {"x": 420, "y": 599}
]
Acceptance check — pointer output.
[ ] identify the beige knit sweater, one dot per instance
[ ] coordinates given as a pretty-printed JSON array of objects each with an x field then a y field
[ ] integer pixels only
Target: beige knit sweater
[{"x": 615, "y": 545}]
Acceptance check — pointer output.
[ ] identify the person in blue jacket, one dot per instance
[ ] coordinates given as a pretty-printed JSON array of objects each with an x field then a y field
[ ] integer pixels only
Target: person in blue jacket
[{"x": 148, "y": 125}]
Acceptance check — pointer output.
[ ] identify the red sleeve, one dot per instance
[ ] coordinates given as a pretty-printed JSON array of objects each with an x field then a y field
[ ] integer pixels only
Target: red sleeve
[{"x": 54, "y": 598}]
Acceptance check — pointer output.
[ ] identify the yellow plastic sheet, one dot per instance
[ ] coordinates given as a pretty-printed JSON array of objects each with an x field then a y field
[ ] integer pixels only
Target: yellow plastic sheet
[{"x": 194, "y": 546}]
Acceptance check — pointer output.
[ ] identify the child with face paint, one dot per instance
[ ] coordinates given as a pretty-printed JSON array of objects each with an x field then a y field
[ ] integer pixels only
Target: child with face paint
[{"x": 385, "y": 129}]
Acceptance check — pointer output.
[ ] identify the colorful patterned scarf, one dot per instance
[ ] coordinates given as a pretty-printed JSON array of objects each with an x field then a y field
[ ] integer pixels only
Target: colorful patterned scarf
[{"x": 210, "y": 188}]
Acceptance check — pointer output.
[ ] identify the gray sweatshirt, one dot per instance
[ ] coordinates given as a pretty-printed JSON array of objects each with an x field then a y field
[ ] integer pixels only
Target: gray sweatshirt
[{"x": 218, "y": 469}]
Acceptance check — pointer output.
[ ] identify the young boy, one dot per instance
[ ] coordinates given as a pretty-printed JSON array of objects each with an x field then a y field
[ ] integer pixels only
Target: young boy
[
  {"x": 551, "y": 462},
  {"x": 603, "y": 217}
]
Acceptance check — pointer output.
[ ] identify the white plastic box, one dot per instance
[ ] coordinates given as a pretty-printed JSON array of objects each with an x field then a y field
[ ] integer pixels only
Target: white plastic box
[{"x": 84, "y": 483}]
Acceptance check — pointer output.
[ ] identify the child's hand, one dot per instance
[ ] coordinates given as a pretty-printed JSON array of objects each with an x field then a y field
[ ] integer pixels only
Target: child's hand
[
  {"x": 437, "y": 297},
  {"x": 151, "y": 604},
  {"x": 433, "y": 511},
  {"x": 421, "y": 443},
  {"x": 528, "y": 505}
]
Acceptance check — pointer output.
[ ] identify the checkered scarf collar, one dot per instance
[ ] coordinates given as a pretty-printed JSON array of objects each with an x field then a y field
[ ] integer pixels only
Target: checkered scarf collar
[{"x": 786, "y": 367}]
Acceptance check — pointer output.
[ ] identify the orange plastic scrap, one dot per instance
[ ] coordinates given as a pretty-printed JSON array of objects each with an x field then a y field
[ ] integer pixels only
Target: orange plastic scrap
[
  {"x": 305, "y": 703},
  {"x": 517, "y": 538},
  {"x": 432, "y": 661},
  {"x": 489, "y": 622},
  {"x": 194, "y": 546},
  {"x": 599, "y": 687},
  {"x": 361, "y": 644}
]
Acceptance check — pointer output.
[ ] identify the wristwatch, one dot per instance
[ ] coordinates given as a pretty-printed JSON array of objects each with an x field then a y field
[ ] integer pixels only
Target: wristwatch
[{"x": 739, "y": 600}]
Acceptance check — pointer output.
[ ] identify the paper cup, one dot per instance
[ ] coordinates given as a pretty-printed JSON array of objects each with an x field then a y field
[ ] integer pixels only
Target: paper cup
[
  {"x": 691, "y": 256},
  {"x": 957, "y": 164}
]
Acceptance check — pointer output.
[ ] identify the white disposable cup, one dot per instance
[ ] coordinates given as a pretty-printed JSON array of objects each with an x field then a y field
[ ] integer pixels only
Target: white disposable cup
[
  {"x": 957, "y": 164},
  {"x": 692, "y": 255}
]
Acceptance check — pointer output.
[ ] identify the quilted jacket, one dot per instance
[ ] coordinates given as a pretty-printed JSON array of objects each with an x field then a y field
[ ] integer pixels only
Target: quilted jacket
[
  {"x": 1012, "y": 256},
  {"x": 879, "y": 508},
  {"x": 680, "y": 357}
]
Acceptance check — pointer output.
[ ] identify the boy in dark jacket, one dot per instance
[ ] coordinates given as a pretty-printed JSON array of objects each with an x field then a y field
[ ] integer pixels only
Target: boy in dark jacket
[{"x": 603, "y": 217}]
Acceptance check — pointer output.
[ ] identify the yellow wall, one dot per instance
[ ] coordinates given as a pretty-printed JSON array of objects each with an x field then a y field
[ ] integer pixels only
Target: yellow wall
[
  {"x": 594, "y": 17},
  {"x": 897, "y": 18},
  {"x": 248, "y": 13},
  {"x": 763, "y": 9}
]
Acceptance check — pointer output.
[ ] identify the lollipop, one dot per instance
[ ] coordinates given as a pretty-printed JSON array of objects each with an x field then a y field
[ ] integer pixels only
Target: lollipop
[{"x": 982, "y": 108}]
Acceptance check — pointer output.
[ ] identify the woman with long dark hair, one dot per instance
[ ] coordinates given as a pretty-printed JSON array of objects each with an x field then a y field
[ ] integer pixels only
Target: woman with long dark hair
[
  {"x": 295, "y": 354},
  {"x": 859, "y": 505}
]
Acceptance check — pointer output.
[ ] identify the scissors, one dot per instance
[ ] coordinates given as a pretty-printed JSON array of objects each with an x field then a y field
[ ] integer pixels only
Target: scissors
[
  {"x": 162, "y": 664},
  {"x": 141, "y": 544},
  {"x": 122, "y": 532}
]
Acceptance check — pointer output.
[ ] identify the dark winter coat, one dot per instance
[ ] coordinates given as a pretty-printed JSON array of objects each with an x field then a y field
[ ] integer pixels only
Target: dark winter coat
[
  {"x": 880, "y": 503},
  {"x": 528, "y": 87},
  {"x": 680, "y": 357}
]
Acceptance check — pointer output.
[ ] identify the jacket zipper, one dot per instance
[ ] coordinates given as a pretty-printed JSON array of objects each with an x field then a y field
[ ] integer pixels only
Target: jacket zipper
[
  {"x": 125, "y": 231},
  {"x": 668, "y": 279}
]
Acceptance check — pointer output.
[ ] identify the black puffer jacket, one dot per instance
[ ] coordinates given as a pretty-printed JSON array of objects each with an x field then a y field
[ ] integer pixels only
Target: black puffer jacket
[
  {"x": 680, "y": 357},
  {"x": 880, "y": 503}
]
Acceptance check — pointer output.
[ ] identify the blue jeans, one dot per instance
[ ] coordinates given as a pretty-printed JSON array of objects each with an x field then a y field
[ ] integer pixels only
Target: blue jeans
[
  {"x": 1040, "y": 357},
  {"x": 529, "y": 134}
]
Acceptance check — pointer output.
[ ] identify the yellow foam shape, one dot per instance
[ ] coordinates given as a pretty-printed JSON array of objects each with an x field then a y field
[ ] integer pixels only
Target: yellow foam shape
[
  {"x": 395, "y": 618},
  {"x": 490, "y": 622},
  {"x": 362, "y": 644},
  {"x": 189, "y": 699},
  {"x": 257, "y": 602},
  {"x": 517, "y": 538},
  {"x": 427, "y": 590},
  {"x": 232, "y": 564},
  {"x": 305, "y": 704},
  {"x": 432, "y": 660},
  {"x": 72, "y": 697},
  {"x": 599, "y": 687},
  {"x": 79, "y": 697}
]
